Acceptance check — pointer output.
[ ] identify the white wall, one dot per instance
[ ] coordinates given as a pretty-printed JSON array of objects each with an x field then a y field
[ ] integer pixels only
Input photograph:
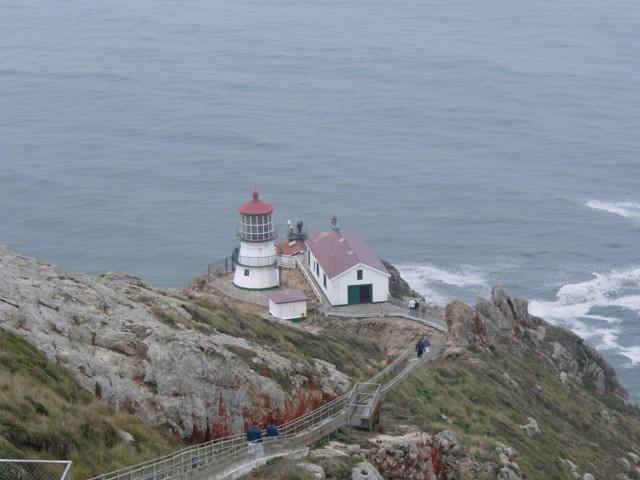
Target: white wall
[
  {"x": 380, "y": 282},
  {"x": 257, "y": 249},
  {"x": 337, "y": 289},
  {"x": 259, "y": 277},
  {"x": 288, "y": 311},
  {"x": 330, "y": 291}
]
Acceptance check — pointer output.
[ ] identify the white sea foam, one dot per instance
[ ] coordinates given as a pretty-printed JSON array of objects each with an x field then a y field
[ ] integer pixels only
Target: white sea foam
[
  {"x": 432, "y": 282},
  {"x": 574, "y": 304},
  {"x": 626, "y": 209}
]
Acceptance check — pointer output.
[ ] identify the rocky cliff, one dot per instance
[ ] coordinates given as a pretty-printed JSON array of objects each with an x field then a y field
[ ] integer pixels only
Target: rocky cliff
[
  {"x": 513, "y": 398},
  {"x": 506, "y": 322},
  {"x": 172, "y": 358}
]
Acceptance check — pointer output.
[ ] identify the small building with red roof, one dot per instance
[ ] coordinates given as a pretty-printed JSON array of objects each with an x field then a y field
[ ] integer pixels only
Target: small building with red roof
[
  {"x": 288, "y": 304},
  {"x": 346, "y": 268}
]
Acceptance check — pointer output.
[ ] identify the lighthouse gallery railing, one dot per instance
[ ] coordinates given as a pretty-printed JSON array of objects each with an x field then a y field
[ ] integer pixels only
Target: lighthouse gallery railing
[{"x": 244, "y": 261}]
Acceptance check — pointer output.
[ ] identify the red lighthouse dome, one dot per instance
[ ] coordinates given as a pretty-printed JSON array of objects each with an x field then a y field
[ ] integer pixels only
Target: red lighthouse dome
[{"x": 256, "y": 206}]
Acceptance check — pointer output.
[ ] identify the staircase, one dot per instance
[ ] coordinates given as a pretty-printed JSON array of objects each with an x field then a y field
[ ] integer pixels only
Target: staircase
[{"x": 230, "y": 457}]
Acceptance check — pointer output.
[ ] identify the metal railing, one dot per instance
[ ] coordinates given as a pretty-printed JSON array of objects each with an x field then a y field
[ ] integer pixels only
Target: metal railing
[
  {"x": 223, "y": 456},
  {"x": 35, "y": 469},
  {"x": 307, "y": 276},
  {"x": 221, "y": 267},
  {"x": 286, "y": 261},
  {"x": 244, "y": 261}
]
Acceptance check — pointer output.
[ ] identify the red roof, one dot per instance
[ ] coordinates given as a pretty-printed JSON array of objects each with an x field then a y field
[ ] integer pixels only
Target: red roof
[
  {"x": 287, "y": 248},
  {"x": 338, "y": 251},
  {"x": 285, "y": 295},
  {"x": 256, "y": 207}
]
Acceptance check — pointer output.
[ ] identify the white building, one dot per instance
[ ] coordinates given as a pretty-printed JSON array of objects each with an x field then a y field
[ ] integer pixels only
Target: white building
[
  {"x": 288, "y": 304},
  {"x": 346, "y": 268},
  {"x": 256, "y": 263}
]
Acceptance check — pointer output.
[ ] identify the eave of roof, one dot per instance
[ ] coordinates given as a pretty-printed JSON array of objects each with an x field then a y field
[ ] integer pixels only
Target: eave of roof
[{"x": 287, "y": 295}]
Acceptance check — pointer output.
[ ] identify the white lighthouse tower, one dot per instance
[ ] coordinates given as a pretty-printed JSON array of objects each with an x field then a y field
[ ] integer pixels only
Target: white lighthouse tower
[{"x": 256, "y": 262}]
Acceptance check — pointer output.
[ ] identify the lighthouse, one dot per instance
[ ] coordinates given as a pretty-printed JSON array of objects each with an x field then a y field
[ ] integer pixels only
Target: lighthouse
[{"x": 256, "y": 262}]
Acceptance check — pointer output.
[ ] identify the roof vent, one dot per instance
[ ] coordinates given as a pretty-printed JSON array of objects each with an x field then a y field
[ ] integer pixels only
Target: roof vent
[{"x": 334, "y": 224}]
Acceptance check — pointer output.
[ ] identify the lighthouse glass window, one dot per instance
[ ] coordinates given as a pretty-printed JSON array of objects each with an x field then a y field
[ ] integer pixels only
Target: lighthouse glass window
[{"x": 257, "y": 227}]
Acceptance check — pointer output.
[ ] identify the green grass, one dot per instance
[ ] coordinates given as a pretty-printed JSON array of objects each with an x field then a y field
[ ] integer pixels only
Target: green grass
[
  {"x": 484, "y": 408},
  {"x": 354, "y": 355},
  {"x": 45, "y": 414}
]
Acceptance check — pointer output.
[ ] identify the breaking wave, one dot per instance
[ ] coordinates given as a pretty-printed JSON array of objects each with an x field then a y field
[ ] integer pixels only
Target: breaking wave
[
  {"x": 439, "y": 285},
  {"x": 592, "y": 309},
  {"x": 623, "y": 209}
]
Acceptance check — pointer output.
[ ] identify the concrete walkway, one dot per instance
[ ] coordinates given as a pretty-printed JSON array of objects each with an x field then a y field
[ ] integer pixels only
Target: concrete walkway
[
  {"x": 224, "y": 283},
  {"x": 387, "y": 309}
]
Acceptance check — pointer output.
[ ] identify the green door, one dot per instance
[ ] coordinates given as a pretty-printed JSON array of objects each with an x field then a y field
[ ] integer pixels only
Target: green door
[
  {"x": 359, "y": 294},
  {"x": 366, "y": 293},
  {"x": 353, "y": 294}
]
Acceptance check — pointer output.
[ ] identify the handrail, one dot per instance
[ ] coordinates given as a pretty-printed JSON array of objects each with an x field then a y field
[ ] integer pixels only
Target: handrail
[
  {"x": 307, "y": 276},
  {"x": 223, "y": 452},
  {"x": 245, "y": 261}
]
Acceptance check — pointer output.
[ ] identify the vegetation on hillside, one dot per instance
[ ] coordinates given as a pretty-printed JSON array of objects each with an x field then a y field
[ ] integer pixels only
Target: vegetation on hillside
[
  {"x": 44, "y": 414},
  {"x": 352, "y": 354},
  {"x": 472, "y": 396}
]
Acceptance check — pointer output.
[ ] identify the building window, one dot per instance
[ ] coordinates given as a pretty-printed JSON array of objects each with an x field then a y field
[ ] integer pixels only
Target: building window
[
  {"x": 309, "y": 258},
  {"x": 359, "y": 274},
  {"x": 246, "y": 272},
  {"x": 317, "y": 269},
  {"x": 324, "y": 280}
]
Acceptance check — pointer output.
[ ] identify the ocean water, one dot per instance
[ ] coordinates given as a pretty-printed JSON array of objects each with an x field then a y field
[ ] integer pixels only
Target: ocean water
[{"x": 472, "y": 143}]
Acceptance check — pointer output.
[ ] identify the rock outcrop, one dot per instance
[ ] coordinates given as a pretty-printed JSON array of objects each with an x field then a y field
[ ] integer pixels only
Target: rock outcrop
[
  {"x": 365, "y": 471},
  {"x": 505, "y": 322},
  {"x": 508, "y": 469},
  {"x": 398, "y": 287},
  {"x": 109, "y": 333},
  {"x": 419, "y": 456}
]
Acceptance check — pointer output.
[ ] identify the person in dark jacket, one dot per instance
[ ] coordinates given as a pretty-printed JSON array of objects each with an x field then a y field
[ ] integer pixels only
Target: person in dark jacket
[
  {"x": 419, "y": 347},
  {"x": 254, "y": 437},
  {"x": 422, "y": 345},
  {"x": 272, "y": 430}
]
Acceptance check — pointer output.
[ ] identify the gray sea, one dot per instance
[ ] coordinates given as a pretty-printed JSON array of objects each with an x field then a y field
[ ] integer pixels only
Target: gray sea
[{"x": 472, "y": 143}]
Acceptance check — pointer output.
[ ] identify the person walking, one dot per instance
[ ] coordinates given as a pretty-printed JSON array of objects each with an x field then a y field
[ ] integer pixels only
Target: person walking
[
  {"x": 272, "y": 430},
  {"x": 416, "y": 308},
  {"x": 426, "y": 344},
  {"x": 420, "y": 347},
  {"x": 412, "y": 305},
  {"x": 254, "y": 439}
]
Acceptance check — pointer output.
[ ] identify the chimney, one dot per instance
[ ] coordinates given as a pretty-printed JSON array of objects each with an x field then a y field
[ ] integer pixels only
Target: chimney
[{"x": 334, "y": 224}]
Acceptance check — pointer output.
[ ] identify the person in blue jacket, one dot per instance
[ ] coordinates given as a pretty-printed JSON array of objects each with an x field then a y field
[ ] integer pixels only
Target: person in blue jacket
[
  {"x": 422, "y": 346},
  {"x": 272, "y": 430},
  {"x": 254, "y": 437}
]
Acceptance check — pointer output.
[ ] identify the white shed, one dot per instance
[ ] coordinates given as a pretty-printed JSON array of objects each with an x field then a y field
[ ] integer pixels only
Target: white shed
[
  {"x": 288, "y": 304},
  {"x": 346, "y": 268}
]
